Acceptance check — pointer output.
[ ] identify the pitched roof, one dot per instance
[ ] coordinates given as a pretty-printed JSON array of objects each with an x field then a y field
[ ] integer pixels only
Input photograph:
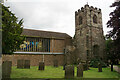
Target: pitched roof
[{"x": 45, "y": 34}]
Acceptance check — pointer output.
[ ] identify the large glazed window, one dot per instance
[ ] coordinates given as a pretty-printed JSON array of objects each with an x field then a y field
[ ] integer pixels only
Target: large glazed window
[
  {"x": 35, "y": 45},
  {"x": 95, "y": 19},
  {"x": 80, "y": 20}
]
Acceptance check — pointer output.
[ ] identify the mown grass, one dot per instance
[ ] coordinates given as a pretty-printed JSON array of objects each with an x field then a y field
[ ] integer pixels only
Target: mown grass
[
  {"x": 52, "y": 72},
  {"x": 118, "y": 66}
]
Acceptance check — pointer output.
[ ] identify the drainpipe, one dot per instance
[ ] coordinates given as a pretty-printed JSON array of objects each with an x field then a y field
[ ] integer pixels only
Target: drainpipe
[
  {"x": 52, "y": 45},
  {"x": 43, "y": 57}
]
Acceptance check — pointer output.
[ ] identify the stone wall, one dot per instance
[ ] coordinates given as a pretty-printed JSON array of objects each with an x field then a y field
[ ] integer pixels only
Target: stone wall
[
  {"x": 89, "y": 33},
  {"x": 35, "y": 58}
]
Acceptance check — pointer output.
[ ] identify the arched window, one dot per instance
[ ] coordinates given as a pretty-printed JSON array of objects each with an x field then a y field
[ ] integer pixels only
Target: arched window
[
  {"x": 80, "y": 20},
  {"x": 95, "y": 19},
  {"x": 87, "y": 53},
  {"x": 96, "y": 50},
  {"x": 87, "y": 41}
]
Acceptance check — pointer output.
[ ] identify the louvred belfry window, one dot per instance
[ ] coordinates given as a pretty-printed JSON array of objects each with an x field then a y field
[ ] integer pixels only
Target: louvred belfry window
[
  {"x": 95, "y": 19},
  {"x": 80, "y": 20}
]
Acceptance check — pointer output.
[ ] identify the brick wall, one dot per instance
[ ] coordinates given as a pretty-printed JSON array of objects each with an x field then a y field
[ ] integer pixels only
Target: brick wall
[
  {"x": 35, "y": 58},
  {"x": 57, "y": 45}
]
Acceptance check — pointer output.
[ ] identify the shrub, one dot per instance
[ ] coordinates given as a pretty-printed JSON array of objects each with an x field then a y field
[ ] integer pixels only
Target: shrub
[{"x": 94, "y": 63}]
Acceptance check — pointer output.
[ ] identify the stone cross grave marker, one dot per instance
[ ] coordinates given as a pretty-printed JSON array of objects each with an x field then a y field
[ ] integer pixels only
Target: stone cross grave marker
[
  {"x": 6, "y": 69},
  {"x": 80, "y": 70},
  {"x": 69, "y": 71},
  {"x": 41, "y": 66}
]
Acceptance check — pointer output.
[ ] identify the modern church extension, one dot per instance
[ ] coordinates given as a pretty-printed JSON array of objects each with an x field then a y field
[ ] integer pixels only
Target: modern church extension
[{"x": 44, "y": 41}]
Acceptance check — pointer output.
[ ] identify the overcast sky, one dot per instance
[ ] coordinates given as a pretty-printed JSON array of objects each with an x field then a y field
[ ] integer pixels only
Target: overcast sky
[{"x": 55, "y": 15}]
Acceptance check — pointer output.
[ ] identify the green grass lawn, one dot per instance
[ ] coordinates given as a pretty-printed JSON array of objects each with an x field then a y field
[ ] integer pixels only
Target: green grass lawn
[
  {"x": 52, "y": 72},
  {"x": 118, "y": 66}
]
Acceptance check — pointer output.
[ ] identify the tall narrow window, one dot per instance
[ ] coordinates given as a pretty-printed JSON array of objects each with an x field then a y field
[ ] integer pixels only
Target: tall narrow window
[
  {"x": 87, "y": 41},
  {"x": 96, "y": 50},
  {"x": 95, "y": 19},
  {"x": 80, "y": 32},
  {"x": 80, "y": 20},
  {"x": 87, "y": 53}
]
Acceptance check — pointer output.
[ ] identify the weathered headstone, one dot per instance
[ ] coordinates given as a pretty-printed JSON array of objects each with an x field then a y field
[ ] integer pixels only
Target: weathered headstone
[
  {"x": 111, "y": 66},
  {"x": 69, "y": 71},
  {"x": 41, "y": 66},
  {"x": 87, "y": 63},
  {"x": 6, "y": 69},
  {"x": 55, "y": 63},
  {"x": 27, "y": 64},
  {"x": 80, "y": 70},
  {"x": 85, "y": 67},
  {"x": 20, "y": 63},
  {"x": 99, "y": 67},
  {"x": 64, "y": 66}
]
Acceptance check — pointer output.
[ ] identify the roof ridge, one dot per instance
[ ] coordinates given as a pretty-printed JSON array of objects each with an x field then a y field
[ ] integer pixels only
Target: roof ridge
[{"x": 44, "y": 31}]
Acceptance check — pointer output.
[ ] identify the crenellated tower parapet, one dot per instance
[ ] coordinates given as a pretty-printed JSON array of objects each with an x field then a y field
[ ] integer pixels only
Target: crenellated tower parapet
[{"x": 88, "y": 15}]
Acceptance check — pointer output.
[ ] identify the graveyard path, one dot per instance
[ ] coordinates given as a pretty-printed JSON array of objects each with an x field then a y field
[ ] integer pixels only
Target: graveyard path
[{"x": 116, "y": 68}]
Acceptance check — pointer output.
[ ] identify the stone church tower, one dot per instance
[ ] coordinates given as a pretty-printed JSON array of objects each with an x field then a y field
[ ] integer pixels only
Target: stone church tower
[{"x": 89, "y": 37}]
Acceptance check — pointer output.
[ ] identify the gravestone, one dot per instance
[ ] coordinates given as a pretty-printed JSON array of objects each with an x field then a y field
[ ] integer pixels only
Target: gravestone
[
  {"x": 6, "y": 69},
  {"x": 64, "y": 66},
  {"x": 85, "y": 67},
  {"x": 20, "y": 63},
  {"x": 27, "y": 64},
  {"x": 111, "y": 66},
  {"x": 80, "y": 70},
  {"x": 87, "y": 63},
  {"x": 69, "y": 71},
  {"x": 41, "y": 66},
  {"x": 99, "y": 67},
  {"x": 55, "y": 63}
]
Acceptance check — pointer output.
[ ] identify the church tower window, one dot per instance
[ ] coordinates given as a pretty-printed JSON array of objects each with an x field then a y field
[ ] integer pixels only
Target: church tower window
[
  {"x": 95, "y": 19},
  {"x": 80, "y": 20}
]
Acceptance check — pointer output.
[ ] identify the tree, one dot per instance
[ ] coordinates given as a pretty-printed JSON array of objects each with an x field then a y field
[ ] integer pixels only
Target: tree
[
  {"x": 109, "y": 51},
  {"x": 11, "y": 31},
  {"x": 114, "y": 23}
]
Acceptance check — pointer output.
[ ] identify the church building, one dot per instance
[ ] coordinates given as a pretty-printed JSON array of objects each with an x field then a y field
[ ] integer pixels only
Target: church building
[
  {"x": 38, "y": 41},
  {"x": 48, "y": 46}
]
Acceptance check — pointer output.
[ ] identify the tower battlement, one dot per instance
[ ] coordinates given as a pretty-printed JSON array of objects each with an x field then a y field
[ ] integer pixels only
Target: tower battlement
[{"x": 88, "y": 8}]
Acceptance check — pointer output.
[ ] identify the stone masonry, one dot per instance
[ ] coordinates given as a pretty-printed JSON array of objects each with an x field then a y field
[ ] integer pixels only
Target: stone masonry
[{"x": 89, "y": 37}]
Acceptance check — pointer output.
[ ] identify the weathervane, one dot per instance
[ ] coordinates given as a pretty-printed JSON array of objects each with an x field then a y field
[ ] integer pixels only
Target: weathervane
[{"x": 87, "y": 2}]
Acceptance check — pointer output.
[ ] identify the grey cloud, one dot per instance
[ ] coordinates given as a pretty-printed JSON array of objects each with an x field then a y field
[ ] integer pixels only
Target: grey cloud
[{"x": 55, "y": 15}]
